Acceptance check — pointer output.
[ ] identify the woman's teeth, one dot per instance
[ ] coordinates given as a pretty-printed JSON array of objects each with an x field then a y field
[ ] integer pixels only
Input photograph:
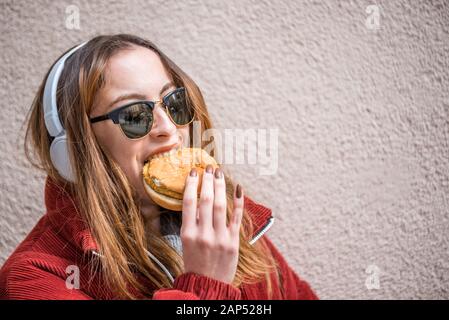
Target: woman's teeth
[{"x": 165, "y": 154}]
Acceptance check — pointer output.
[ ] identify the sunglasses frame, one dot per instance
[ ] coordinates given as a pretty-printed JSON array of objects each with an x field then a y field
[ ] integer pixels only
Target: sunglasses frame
[{"x": 114, "y": 114}]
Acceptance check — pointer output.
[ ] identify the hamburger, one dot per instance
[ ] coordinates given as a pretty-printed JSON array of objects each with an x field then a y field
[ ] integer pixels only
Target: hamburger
[{"x": 164, "y": 175}]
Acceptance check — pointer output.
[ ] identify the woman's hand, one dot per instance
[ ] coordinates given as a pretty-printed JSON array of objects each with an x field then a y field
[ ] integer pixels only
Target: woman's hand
[{"x": 210, "y": 246}]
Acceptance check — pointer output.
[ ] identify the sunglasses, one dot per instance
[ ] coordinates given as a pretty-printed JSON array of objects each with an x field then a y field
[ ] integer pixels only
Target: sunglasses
[{"x": 136, "y": 118}]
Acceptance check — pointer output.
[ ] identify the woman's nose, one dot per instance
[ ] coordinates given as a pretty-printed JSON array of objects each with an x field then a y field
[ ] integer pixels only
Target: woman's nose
[{"x": 162, "y": 125}]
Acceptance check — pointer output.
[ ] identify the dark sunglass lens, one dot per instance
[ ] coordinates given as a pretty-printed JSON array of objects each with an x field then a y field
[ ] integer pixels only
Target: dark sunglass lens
[
  {"x": 177, "y": 107},
  {"x": 136, "y": 120}
]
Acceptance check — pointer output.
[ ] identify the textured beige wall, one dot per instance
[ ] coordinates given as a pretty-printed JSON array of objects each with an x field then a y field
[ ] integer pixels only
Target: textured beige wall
[{"x": 362, "y": 115}]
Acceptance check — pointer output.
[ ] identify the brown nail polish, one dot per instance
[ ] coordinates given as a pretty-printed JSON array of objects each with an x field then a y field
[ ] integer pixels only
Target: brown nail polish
[
  {"x": 218, "y": 173},
  {"x": 209, "y": 168},
  {"x": 238, "y": 191},
  {"x": 193, "y": 172}
]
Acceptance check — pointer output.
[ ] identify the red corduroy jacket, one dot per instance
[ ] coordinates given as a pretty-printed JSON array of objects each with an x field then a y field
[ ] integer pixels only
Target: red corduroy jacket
[{"x": 40, "y": 266}]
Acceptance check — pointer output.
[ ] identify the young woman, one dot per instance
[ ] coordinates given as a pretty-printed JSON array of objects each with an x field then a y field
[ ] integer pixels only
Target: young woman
[{"x": 102, "y": 237}]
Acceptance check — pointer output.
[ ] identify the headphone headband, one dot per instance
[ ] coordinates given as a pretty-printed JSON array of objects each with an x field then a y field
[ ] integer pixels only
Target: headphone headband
[{"x": 51, "y": 115}]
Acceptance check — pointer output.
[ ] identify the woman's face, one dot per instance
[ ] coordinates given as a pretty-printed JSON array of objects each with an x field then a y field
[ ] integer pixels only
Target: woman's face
[{"x": 136, "y": 71}]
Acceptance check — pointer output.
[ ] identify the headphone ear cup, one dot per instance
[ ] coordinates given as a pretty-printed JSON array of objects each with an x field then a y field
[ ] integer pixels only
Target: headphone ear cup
[{"x": 59, "y": 154}]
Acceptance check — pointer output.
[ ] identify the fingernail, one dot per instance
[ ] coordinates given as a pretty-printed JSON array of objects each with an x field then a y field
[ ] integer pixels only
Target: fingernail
[
  {"x": 209, "y": 168},
  {"x": 238, "y": 191},
  {"x": 193, "y": 172},
  {"x": 218, "y": 173}
]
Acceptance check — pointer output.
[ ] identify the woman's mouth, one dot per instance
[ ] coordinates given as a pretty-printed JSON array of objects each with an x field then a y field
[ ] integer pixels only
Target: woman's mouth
[{"x": 163, "y": 152}]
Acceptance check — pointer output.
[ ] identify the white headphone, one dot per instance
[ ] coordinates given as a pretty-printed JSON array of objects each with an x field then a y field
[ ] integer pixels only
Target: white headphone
[{"x": 58, "y": 150}]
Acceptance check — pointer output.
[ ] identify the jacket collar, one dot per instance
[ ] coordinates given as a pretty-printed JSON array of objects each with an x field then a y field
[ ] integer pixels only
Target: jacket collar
[{"x": 63, "y": 214}]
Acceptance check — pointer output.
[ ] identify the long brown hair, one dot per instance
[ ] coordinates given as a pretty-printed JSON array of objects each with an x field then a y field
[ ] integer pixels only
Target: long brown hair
[{"x": 108, "y": 203}]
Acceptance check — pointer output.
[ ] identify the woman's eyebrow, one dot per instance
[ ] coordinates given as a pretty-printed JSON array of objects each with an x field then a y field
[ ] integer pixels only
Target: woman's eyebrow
[
  {"x": 166, "y": 86},
  {"x": 138, "y": 96},
  {"x": 127, "y": 96}
]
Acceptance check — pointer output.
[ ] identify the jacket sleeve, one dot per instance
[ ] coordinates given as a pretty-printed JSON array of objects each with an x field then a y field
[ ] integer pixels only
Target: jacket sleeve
[
  {"x": 294, "y": 287},
  {"x": 191, "y": 286}
]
